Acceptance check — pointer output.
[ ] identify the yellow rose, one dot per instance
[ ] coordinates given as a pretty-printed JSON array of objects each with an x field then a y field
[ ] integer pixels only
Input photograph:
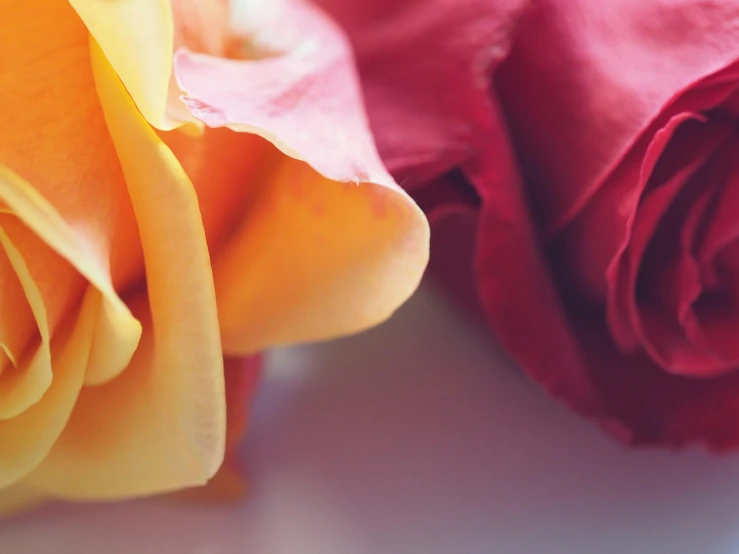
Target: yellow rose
[{"x": 139, "y": 244}]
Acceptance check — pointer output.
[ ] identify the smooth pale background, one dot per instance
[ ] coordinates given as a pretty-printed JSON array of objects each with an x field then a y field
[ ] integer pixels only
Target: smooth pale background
[{"x": 419, "y": 438}]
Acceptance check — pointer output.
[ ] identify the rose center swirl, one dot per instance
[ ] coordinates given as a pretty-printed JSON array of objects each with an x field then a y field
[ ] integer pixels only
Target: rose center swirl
[{"x": 678, "y": 276}]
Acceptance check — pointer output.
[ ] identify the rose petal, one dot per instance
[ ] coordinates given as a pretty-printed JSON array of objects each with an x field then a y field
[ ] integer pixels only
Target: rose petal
[
  {"x": 689, "y": 299},
  {"x": 425, "y": 67},
  {"x": 595, "y": 240},
  {"x": 202, "y": 25},
  {"x": 161, "y": 424},
  {"x": 24, "y": 387},
  {"x": 61, "y": 286},
  {"x": 562, "y": 82},
  {"x": 571, "y": 352},
  {"x": 313, "y": 258},
  {"x": 689, "y": 150},
  {"x": 65, "y": 183},
  {"x": 722, "y": 229},
  {"x": 18, "y": 329},
  {"x": 595, "y": 75},
  {"x": 714, "y": 318},
  {"x": 137, "y": 37},
  {"x": 658, "y": 407},
  {"x": 118, "y": 330},
  {"x": 230, "y": 482},
  {"x": 227, "y": 171},
  {"x": 22, "y": 449},
  {"x": 305, "y": 101},
  {"x": 669, "y": 278},
  {"x": 517, "y": 289}
]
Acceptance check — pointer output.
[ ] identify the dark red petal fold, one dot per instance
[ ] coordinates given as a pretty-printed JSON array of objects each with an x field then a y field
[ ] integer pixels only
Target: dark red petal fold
[
  {"x": 517, "y": 288},
  {"x": 689, "y": 150}
]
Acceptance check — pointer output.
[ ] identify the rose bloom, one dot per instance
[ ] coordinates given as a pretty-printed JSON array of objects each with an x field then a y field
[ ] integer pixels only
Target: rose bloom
[
  {"x": 604, "y": 234},
  {"x": 173, "y": 189}
]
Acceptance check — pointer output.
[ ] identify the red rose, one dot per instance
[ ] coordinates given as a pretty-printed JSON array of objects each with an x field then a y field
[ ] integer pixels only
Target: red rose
[{"x": 609, "y": 266}]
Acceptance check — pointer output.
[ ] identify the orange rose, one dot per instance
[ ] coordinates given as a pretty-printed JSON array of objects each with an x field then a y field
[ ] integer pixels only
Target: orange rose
[{"x": 139, "y": 244}]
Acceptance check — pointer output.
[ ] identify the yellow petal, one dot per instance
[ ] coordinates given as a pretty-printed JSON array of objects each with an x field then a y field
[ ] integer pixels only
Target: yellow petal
[
  {"x": 26, "y": 385},
  {"x": 69, "y": 170},
  {"x": 161, "y": 424},
  {"x": 315, "y": 259},
  {"x": 27, "y": 439},
  {"x": 137, "y": 38},
  {"x": 60, "y": 285},
  {"x": 229, "y": 484},
  {"x": 54, "y": 136},
  {"x": 18, "y": 329},
  {"x": 119, "y": 331}
]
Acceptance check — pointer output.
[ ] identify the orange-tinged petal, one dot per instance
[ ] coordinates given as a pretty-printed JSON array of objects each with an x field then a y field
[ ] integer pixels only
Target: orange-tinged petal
[
  {"x": 226, "y": 169},
  {"x": 315, "y": 258},
  {"x": 116, "y": 319},
  {"x": 331, "y": 245},
  {"x": 230, "y": 482},
  {"x": 27, "y": 439},
  {"x": 17, "y": 325},
  {"x": 59, "y": 172},
  {"x": 202, "y": 25},
  {"x": 60, "y": 285},
  {"x": 137, "y": 37},
  {"x": 23, "y": 387},
  {"x": 161, "y": 424},
  {"x": 53, "y": 133}
]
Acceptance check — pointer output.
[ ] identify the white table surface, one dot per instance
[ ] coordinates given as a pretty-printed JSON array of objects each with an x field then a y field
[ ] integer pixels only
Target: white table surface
[{"x": 418, "y": 438}]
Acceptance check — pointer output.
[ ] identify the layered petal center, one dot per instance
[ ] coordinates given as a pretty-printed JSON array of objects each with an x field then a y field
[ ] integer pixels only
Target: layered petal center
[{"x": 675, "y": 293}]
